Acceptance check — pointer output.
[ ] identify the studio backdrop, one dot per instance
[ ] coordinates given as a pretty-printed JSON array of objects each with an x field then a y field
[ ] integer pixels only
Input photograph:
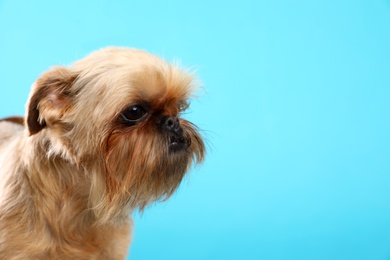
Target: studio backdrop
[{"x": 295, "y": 109}]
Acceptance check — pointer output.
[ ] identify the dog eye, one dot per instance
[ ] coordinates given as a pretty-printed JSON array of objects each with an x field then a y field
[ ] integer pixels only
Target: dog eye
[{"x": 133, "y": 114}]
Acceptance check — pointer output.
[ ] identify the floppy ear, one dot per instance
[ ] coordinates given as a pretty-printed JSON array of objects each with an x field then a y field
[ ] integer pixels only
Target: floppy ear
[{"x": 50, "y": 98}]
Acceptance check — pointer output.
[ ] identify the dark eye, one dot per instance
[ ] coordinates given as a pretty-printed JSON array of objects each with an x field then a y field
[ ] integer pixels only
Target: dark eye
[{"x": 133, "y": 114}]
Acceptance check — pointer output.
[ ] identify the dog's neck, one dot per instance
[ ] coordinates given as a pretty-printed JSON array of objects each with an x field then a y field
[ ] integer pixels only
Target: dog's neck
[
  {"x": 57, "y": 178},
  {"x": 47, "y": 196},
  {"x": 60, "y": 186}
]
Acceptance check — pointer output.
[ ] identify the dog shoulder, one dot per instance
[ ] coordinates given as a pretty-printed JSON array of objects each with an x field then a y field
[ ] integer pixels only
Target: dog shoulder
[{"x": 10, "y": 127}]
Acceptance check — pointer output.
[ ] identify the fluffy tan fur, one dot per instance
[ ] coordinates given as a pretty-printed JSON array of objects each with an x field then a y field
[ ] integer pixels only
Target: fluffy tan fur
[{"x": 74, "y": 172}]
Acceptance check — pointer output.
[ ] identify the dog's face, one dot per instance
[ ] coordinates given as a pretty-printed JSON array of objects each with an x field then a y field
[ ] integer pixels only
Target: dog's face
[{"x": 116, "y": 114}]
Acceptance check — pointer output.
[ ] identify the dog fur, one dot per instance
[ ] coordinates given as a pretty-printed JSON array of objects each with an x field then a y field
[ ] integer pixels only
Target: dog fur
[{"x": 74, "y": 170}]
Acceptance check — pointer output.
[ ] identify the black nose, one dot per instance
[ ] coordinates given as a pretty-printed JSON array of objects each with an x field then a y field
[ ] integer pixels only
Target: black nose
[{"x": 172, "y": 125}]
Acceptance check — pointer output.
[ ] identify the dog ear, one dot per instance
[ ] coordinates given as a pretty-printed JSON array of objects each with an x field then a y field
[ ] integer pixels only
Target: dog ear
[{"x": 49, "y": 98}]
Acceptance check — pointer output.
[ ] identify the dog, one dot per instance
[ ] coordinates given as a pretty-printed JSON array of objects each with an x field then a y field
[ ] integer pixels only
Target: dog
[{"x": 100, "y": 139}]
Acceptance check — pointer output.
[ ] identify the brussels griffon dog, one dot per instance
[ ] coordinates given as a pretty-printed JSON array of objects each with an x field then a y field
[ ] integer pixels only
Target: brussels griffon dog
[{"x": 100, "y": 139}]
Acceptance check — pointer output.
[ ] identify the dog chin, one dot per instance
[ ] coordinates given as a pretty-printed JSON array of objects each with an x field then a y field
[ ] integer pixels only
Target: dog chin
[{"x": 177, "y": 146}]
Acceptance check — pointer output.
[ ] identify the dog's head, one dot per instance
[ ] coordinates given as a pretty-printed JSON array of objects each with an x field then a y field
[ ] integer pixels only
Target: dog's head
[{"x": 116, "y": 113}]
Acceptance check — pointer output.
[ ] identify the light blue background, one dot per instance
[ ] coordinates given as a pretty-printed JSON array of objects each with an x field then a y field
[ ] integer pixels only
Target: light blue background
[{"x": 296, "y": 114}]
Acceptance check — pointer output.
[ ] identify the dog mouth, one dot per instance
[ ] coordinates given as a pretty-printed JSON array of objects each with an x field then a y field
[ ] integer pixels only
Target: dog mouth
[{"x": 178, "y": 143}]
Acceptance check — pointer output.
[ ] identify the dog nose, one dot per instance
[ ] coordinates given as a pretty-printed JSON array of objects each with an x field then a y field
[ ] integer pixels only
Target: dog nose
[
  {"x": 171, "y": 124},
  {"x": 177, "y": 141}
]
